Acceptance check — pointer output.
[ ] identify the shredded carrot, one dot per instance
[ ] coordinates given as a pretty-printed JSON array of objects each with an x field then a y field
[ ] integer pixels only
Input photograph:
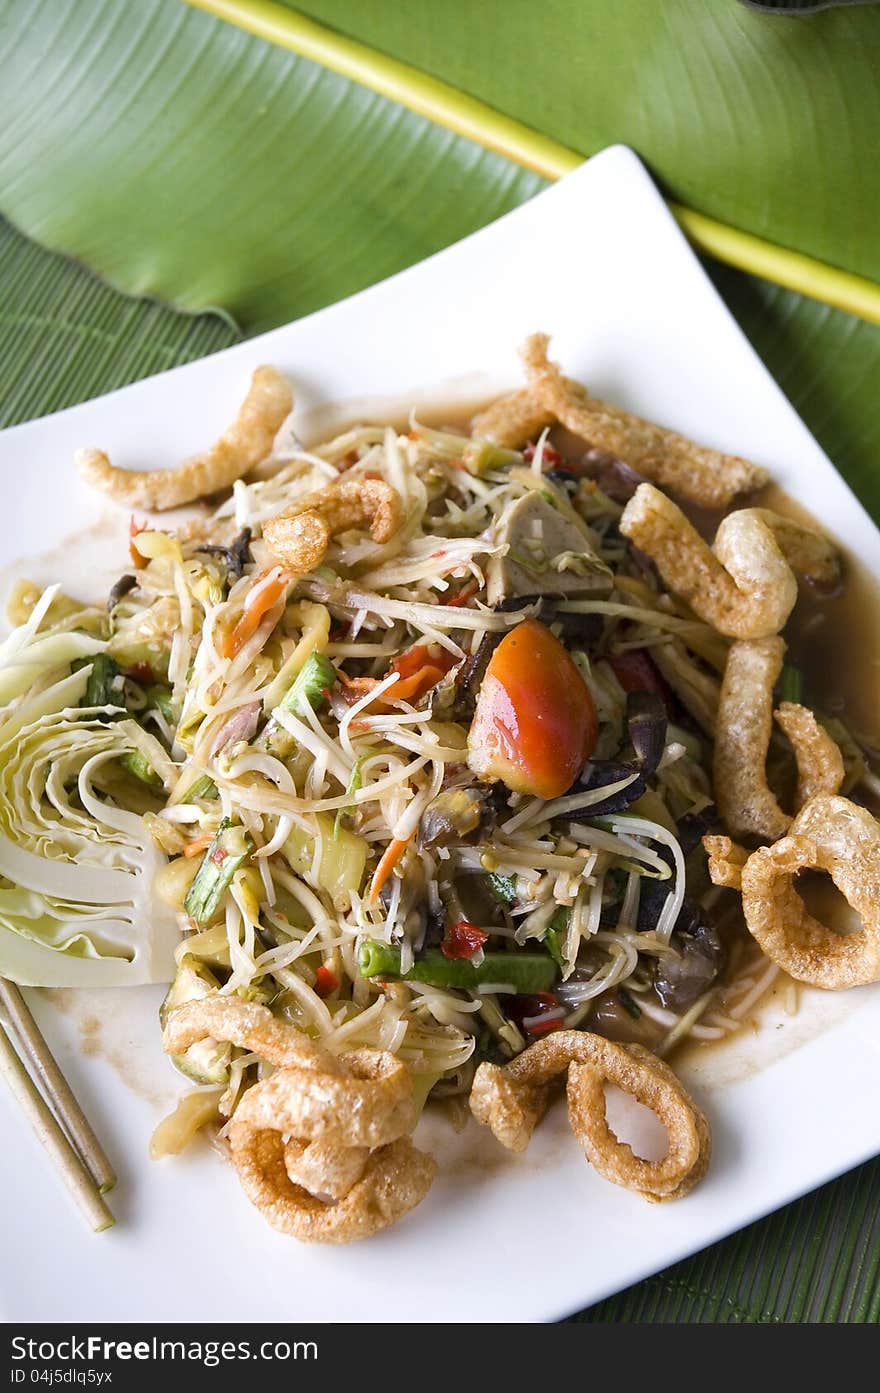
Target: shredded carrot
[
  {"x": 411, "y": 688},
  {"x": 419, "y": 671},
  {"x": 390, "y": 858},
  {"x": 353, "y": 688},
  {"x": 200, "y": 844},
  {"x": 269, "y": 594},
  {"x": 463, "y": 597},
  {"x": 133, "y": 529},
  {"x": 412, "y": 661}
]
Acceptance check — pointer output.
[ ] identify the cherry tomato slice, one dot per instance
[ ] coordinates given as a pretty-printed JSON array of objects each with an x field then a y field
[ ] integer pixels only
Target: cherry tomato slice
[{"x": 535, "y": 724}]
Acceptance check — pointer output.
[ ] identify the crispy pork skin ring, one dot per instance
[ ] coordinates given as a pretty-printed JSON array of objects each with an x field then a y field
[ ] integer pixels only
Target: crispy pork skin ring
[
  {"x": 509, "y": 1107},
  {"x": 513, "y": 1099},
  {"x": 513, "y": 420},
  {"x": 829, "y": 834},
  {"x": 650, "y": 1081},
  {"x": 744, "y": 585},
  {"x": 819, "y": 761},
  {"x": 327, "y": 1169},
  {"x": 725, "y": 861},
  {"x": 370, "y": 1105},
  {"x": 395, "y": 1179},
  {"x": 747, "y": 804},
  {"x": 326, "y": 1156},
  {"x": 707, "y": 476},
  {"x": 321, "y": 1146}
]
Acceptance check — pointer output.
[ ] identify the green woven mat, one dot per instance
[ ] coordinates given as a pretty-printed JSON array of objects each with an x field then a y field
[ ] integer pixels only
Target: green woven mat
[{"x": 65, "y": 337}]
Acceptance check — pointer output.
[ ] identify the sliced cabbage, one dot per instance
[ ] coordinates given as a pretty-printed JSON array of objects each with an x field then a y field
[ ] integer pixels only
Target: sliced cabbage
[
  {"x": 26, "y": 655},
  {"x": 76, "y": 902}
]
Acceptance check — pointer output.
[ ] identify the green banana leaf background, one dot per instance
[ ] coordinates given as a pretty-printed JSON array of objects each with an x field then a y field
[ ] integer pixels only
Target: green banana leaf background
[
  {"x": 795, "y": 7},
  {"x": 238, "y": 186}
]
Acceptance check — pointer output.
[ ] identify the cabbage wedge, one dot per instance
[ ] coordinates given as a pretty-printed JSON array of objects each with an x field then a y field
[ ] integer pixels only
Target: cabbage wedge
[{"x": 76, "y": 871}]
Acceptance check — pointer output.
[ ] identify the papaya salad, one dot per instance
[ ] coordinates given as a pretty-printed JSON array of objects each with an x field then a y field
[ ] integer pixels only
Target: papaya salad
[{"x": 457, "y": 763}]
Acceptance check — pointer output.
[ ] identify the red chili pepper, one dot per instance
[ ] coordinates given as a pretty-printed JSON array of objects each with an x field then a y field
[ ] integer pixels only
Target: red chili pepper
[
  {"x": 527, "y": 1008},
  {"x": 636, "y": 673},
  {"x": 463, "y": 940},
  {"x": 143, "y": 673},
  {"x": 549, "y": 454},
  {"x": 133, "y": 529},
  {"x": 544, "y": 1027},
  {"x": 326, "y": 981}
]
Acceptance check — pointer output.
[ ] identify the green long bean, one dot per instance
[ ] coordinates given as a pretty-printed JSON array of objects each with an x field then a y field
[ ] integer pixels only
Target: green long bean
[
  {"x": 526, "y": 973},
  {"x": 229, "y": 850},
  {"x": 311, "y": 685}
]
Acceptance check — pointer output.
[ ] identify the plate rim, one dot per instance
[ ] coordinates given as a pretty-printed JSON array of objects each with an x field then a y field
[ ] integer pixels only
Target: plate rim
[{"x": 619, "y": 157}]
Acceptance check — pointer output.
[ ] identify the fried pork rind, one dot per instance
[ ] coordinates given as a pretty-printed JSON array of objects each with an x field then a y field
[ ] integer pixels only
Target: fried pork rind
[
  {"x": 513, "y": 1099},
  {"x": 726, "y": 861},
  {"x": 820, "y": 764},
  {"x": 246, "y": 1025},
  {"x": 300, "y": 535},
  {"x": 244, "y": 445},
  {"x": 509, "y": 1107},
  {"x": 513, "y": 420},
  {"x": 396, "y": 1178},
  {"x": 365, "y": 1102},
  {"x": 321, "y": 1146},
  {"x": 651, "y": 1082},
  {"x": 744, "y": 585},
  {"x": 747, "y": 804},
  {"x": 706, "y": 476},
  {"x": 830, "y": 834},
  {"x": 327, "y": 1169}
]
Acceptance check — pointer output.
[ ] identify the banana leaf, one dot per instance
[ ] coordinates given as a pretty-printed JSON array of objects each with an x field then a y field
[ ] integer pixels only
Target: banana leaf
[
  {"x": 768, "y": 126},
  {"x": 66, "y": 336},
  {"x": 793, "y": 7},
  {"x": 181, "y": 158}
]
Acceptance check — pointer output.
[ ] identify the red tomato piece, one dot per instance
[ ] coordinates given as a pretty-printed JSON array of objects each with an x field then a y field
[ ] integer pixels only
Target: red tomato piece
[
  {"x": 635, "y": 671},
  {"x": 535, "y": 725},
  {"x": 528, "y": 1012},
  {"x": 462, "y": 940},
  {"x": 326, "y": 981}
]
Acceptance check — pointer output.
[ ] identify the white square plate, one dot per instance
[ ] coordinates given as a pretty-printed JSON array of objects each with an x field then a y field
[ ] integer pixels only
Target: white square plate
[{"x": 597, "y": 262}]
